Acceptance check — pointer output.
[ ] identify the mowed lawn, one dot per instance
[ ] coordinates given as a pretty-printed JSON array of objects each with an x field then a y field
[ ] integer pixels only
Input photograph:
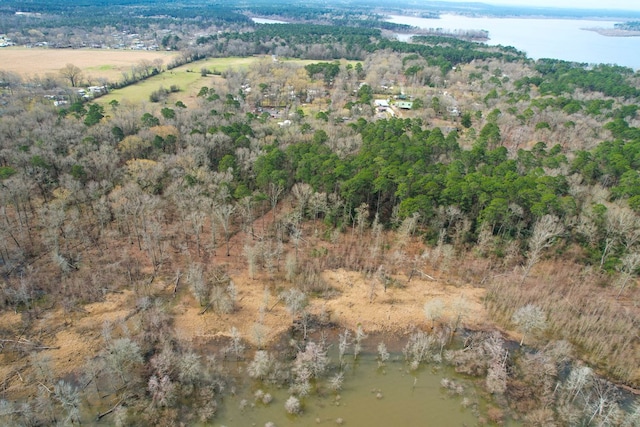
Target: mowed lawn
[{"x": 94, "y": 63}]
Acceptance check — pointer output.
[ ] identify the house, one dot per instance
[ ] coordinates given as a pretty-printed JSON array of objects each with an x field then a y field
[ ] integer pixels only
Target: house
[
  {"x": 97, "y": 90},
  {"x": 381, "y": 103},
  {"x": 404, "y": 105},
  {"x": 5, "y": 41}
]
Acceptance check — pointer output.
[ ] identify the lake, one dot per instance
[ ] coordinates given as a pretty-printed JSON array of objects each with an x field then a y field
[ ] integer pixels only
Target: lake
[{"x": 565, "y": 39}]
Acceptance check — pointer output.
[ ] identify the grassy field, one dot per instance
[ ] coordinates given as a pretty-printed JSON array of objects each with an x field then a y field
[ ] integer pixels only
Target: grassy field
[
  {"x": 95, "y": 63},
  {"x": 188, "y": 78},
  {"x": 110, "y": 64}
]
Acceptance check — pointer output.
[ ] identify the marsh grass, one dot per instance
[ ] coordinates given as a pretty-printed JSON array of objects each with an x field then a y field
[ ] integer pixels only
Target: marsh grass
[{"x": 600, "y": 326}]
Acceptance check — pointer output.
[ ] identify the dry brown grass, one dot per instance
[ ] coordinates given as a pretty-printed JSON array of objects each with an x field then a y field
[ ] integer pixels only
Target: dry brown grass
[
  {"x": 602, "y": 328},
  {"x": 343, "y": 297},
  {"x": 95, "y": 63},
  {"x": 346, "y": 299},
  {"x": 344, "y": 280}
]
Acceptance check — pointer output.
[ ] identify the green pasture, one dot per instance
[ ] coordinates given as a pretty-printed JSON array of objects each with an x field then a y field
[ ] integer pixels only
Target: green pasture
[{"x": 188, "y": 78}]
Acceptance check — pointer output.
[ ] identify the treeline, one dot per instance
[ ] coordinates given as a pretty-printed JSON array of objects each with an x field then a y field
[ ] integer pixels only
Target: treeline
[
  {"x": 443, "y": 52},
  {"x": 565, "y": 77},
  {"x": 306, "y": 34},
  {"x": 134, "y": 15},
  {"x": 403, "y": 168},
  {"x": 630, "y": 26}
]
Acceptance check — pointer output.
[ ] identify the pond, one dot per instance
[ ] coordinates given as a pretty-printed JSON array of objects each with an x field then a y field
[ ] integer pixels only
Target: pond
[{"x": 391, "y": 395}]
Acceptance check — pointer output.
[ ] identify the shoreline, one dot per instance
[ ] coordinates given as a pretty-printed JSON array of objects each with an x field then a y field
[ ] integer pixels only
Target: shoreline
[{"x": 614, "y": 32}]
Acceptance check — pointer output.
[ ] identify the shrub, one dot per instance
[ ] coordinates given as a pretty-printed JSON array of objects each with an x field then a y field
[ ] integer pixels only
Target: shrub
[{"x": 292, "y": 405}]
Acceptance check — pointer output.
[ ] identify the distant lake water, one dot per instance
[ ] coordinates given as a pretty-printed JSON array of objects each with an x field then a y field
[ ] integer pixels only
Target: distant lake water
[
  {"x": 267, "y": 21},
  {"x": 564, "y": 39}
]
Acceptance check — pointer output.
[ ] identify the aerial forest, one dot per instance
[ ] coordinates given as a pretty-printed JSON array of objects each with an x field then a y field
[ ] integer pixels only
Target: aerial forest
[{"x": 439, "y": 204}]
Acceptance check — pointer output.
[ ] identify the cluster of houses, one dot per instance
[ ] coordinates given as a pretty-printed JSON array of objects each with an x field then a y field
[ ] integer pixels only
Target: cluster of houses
[
  {"x": 92, "y": 92},
  {"x": 134, "y": 42},
  {"x": 61, "y": 99},
  {"x": 386, "y": 106},
  {"x": 119, "y": 40},
  {"x": 5, "y": 41}
]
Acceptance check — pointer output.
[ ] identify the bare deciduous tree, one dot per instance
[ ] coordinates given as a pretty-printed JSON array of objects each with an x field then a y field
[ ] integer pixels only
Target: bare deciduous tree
[
  {"x": 630, "y": 263},
  {"x": 73, "y": 73},
  {"x": 357, "y": 341},
  {"x": 69, "y": 399},
  {"x": 496, "y": 380},
  {"x": 236, "y": 347},
  {"x": 198, "y": 284},
  {"x": 122, "y": 357},
  {"x": 529, "y": 319},
  {"x": 224, "y": 213},
  {"x": 302, "y": 192},
  {"x": 261, "y": 365},
  {"x": 275, "y": 190},
  {"x": 545, "y": 231},
  {"x": 383, "y": 354},
  {"x": 433, "y": 310}
]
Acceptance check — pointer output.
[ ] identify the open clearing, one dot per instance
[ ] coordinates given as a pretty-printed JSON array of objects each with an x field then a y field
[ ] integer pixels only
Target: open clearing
[
  {"x": 95, "y": 63},
  {"x": 189, "y": 79}
]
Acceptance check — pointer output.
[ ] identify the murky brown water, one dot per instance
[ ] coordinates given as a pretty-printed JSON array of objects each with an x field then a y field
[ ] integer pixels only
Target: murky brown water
[{"x": 371, "y": 396}]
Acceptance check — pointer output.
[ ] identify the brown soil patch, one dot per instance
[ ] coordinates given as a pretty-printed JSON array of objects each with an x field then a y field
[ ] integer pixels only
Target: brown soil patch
[
  {"x": 10, "y": 357},
  {"x": 81, "y": 336},
  {"x": 95, "y": 63},
  {"x": 399, "y": 309},
  {"x": 191, "y": 326},
  {"x": 348, "y": 301},
  {"x": 10, "y": 319}
]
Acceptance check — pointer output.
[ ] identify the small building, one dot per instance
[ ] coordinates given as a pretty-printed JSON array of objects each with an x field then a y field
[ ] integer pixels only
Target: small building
[
  {"x": 381, "y": 103},
  {"x": 404, "y": 105},
  {"x": 97, "y": 90}
]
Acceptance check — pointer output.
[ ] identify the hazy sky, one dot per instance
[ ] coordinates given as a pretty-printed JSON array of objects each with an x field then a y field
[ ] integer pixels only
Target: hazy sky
[{"x": 575, "y": 4}]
